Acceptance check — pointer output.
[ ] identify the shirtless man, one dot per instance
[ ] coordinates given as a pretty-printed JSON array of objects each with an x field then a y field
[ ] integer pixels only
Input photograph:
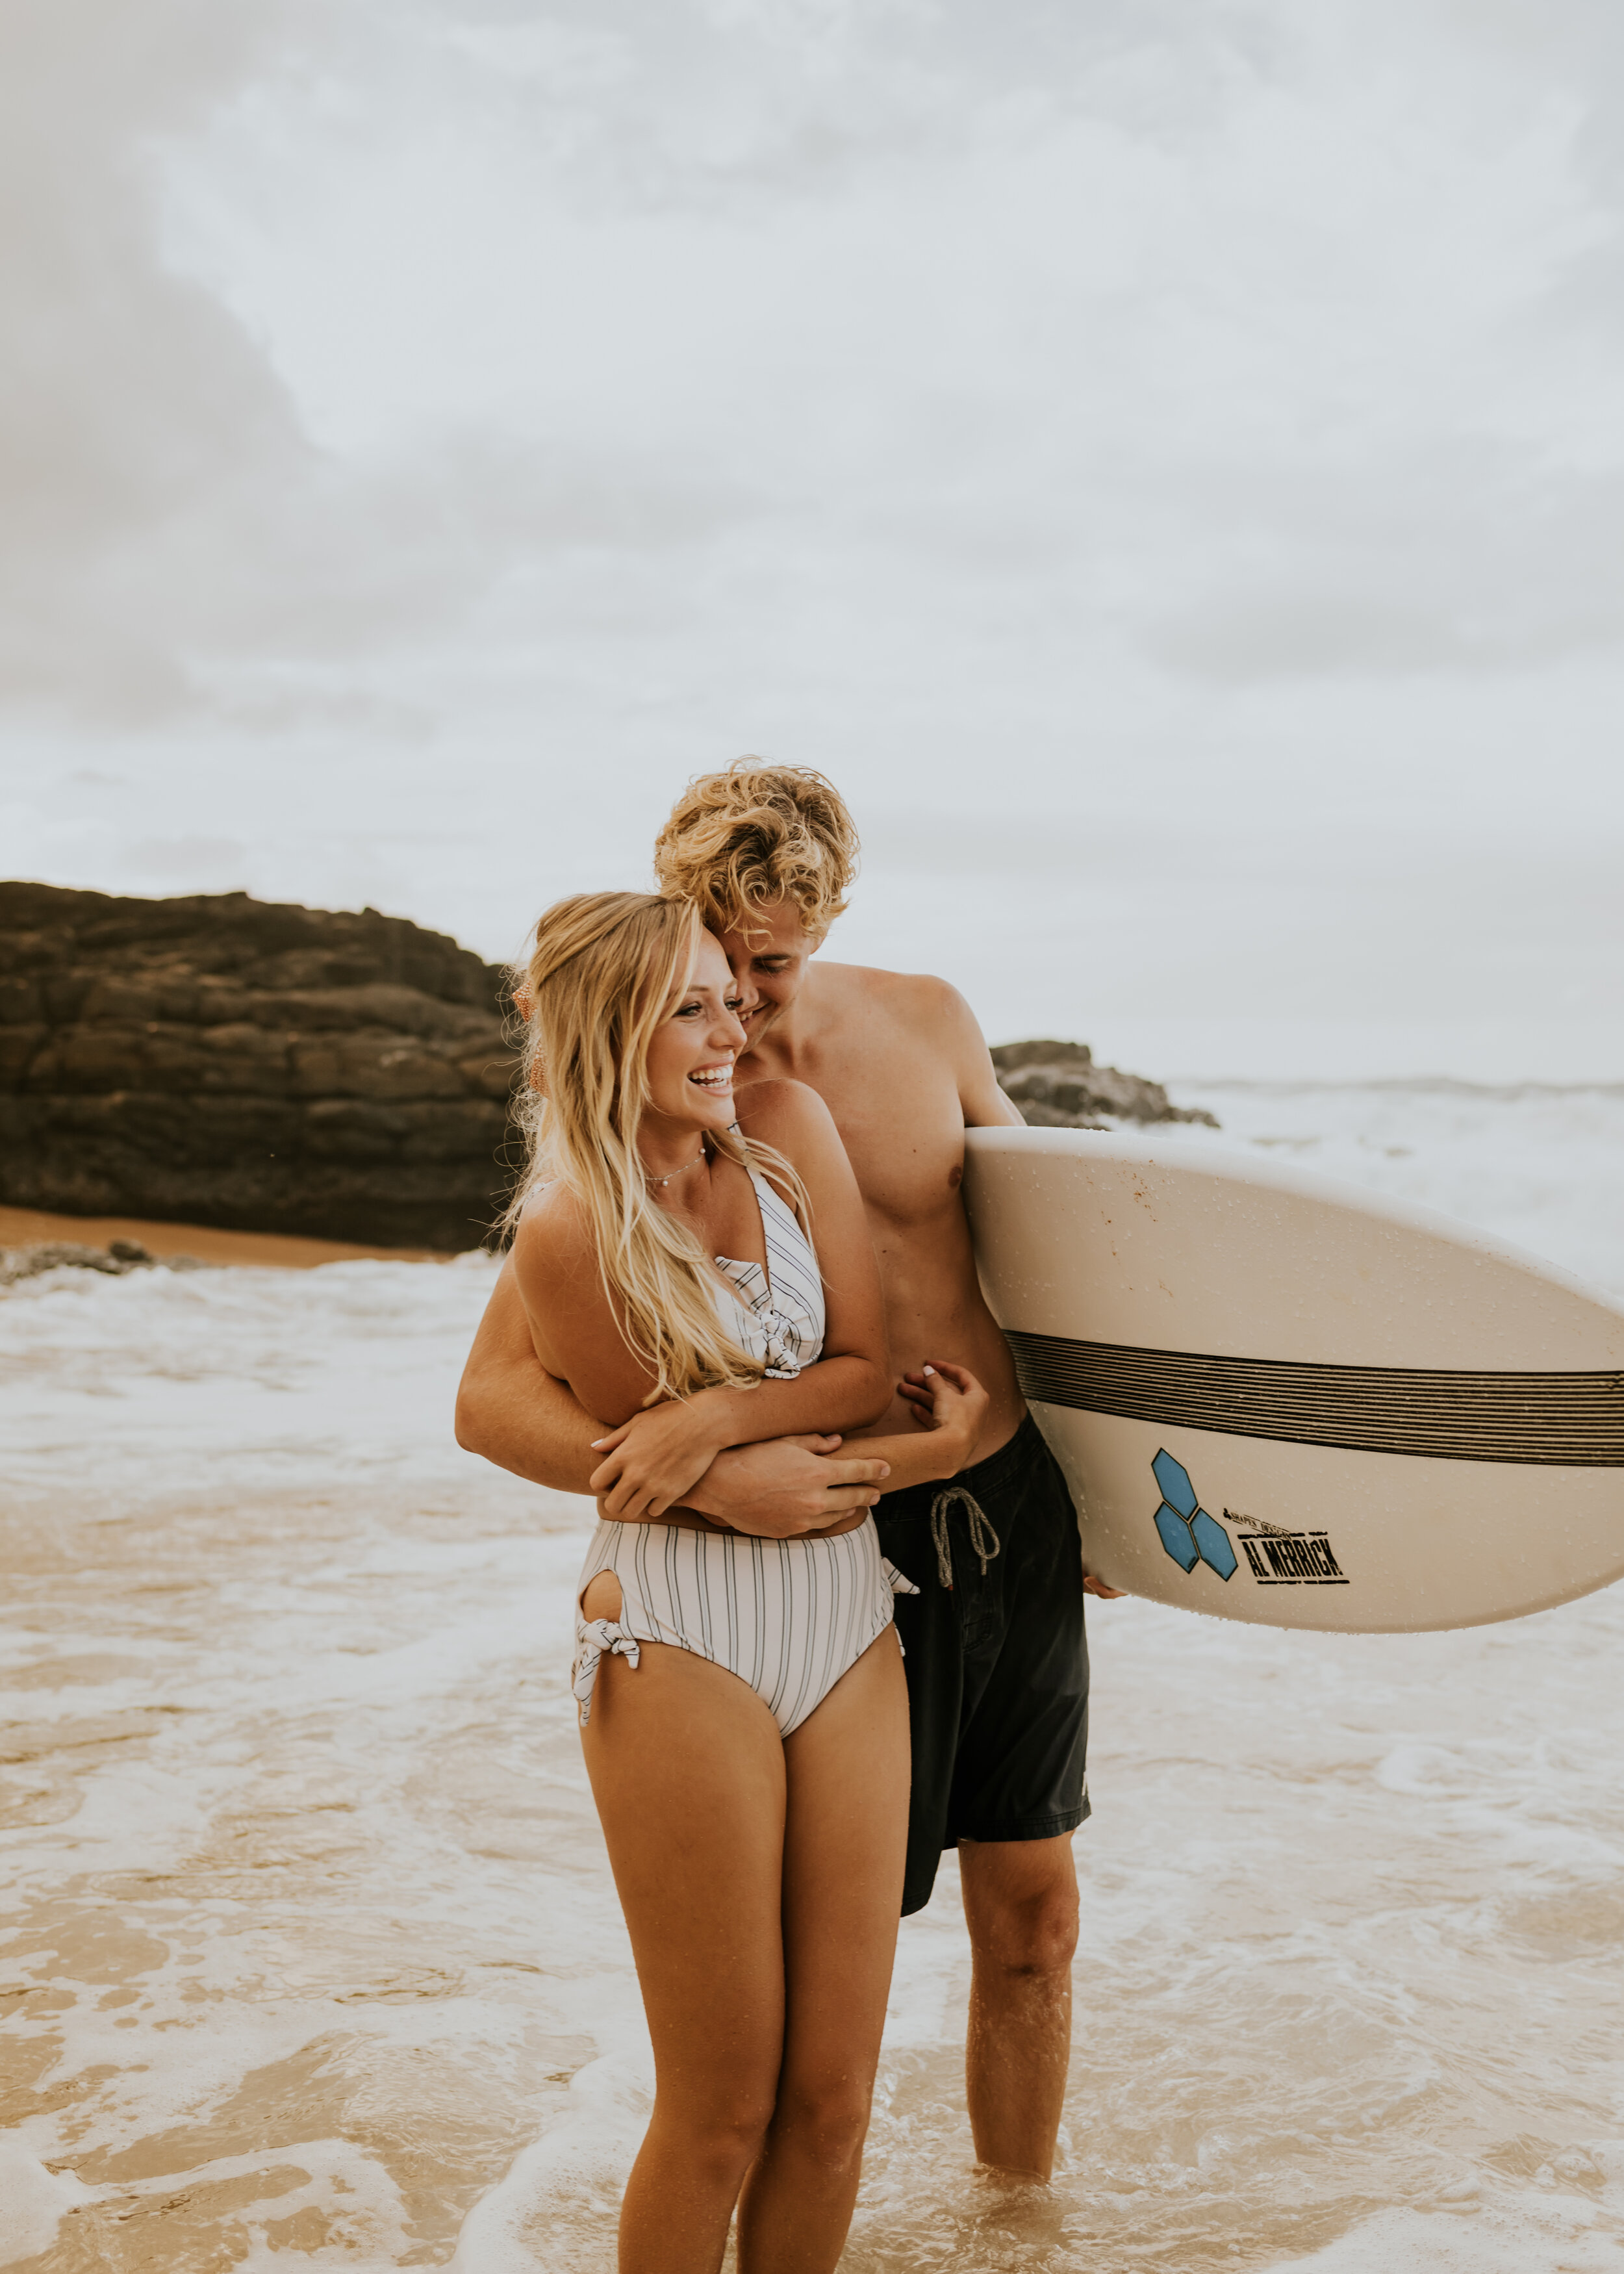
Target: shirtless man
[{"x": 996, "y": 1662}]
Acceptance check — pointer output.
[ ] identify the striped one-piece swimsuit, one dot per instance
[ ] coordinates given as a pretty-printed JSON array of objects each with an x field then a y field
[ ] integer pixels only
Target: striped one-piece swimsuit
[{"x": 788, "y": 1616}]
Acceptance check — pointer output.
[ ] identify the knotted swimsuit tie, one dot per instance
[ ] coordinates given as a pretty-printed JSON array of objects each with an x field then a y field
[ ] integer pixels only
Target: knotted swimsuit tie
[{"x": 595, "y": 1640}]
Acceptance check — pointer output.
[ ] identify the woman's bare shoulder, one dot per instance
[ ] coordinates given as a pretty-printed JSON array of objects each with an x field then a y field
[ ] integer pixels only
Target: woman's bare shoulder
[
  {"x": 552, "y": 1246},
  {"x": 779, "y": 1111},
  {"x": 571, "y": 1320}
]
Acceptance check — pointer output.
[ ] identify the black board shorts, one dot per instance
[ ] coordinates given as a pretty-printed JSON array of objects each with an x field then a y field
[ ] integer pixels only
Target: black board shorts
[{"x": 998, "y": 1664}]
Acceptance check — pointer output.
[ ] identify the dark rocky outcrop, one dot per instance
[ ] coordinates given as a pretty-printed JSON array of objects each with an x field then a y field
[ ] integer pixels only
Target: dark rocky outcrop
[
  {"x": 115, "y": 1261},
  {"x": 1057, "y": 1085},
  {"x": 227, "y": 1061}
]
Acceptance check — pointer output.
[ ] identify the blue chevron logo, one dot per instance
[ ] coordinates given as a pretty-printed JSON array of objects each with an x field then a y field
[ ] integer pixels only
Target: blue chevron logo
[{"x": 1188, "y": 1533}]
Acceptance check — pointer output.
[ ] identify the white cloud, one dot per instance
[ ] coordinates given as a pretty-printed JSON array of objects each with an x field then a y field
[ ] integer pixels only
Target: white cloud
[
  {"x": 1238, "y": 334},
  {"x": 1195, "y": 408}
]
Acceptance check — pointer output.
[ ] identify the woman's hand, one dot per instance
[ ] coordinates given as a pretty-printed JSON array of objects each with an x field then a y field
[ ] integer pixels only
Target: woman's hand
[
  {"x": 948, "y": 1401},
  {"x": 651, "y": 1460}
]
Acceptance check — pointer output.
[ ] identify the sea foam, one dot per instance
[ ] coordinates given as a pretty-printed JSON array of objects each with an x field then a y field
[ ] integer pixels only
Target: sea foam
[{"x": 312, "y": 1952}]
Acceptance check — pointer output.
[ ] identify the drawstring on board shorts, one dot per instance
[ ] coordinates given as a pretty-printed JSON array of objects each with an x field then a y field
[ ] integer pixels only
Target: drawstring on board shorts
[{"x": 984, "y": 1539}]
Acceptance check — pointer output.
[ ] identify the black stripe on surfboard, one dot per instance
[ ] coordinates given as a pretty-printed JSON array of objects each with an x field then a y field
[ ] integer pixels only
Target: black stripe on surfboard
[{"x": 1548, "y": 1420}]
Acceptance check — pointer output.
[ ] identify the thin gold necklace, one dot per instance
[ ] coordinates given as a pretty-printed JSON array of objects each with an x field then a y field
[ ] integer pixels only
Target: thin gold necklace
[{"x": 682, "y": 1171}]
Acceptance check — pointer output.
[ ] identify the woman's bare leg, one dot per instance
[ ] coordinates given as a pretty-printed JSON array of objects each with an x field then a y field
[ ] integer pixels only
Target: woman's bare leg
[
  {"x": 687, "y": 1772},
  {"x": 846, "y": 1838}
]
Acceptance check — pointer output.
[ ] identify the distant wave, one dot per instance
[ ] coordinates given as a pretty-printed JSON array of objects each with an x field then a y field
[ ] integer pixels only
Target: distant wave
[{"x": 1441, "y": 1085}]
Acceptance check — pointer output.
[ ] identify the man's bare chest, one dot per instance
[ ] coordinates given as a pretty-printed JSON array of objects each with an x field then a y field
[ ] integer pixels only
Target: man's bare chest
[
  {"x": 901, "y": 1122},
  {"x": 908, "y": 1178}
]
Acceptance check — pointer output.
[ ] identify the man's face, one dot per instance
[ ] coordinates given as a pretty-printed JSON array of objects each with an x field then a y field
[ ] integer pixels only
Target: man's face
[{"x": 767, "y": 958}]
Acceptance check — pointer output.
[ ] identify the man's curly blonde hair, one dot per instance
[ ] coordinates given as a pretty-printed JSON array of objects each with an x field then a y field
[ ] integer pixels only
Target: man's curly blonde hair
[{"x": 740, "y": 840}]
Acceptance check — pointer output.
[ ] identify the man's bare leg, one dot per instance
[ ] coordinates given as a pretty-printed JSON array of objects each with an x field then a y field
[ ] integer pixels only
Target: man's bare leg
[{"x": 1020, "y": 1907}]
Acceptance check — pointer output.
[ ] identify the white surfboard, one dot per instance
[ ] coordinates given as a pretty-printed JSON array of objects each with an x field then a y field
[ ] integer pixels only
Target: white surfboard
[{"x": 1282, "y": 1399}]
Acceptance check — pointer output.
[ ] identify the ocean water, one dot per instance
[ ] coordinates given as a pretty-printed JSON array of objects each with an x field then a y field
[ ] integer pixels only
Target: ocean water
[{"x": 311, "y": 1954}]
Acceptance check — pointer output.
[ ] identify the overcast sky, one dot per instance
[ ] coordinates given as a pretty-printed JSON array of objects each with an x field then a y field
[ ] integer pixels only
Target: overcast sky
[{"x": 1164, "y": 460}]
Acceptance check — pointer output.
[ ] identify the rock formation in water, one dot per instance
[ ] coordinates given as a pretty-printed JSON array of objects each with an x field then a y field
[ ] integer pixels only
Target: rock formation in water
[
  {"x": 118, "y": 1258},
  {"x": 221, "y": 1061},
  {"x": 1057, "y": 1085}
]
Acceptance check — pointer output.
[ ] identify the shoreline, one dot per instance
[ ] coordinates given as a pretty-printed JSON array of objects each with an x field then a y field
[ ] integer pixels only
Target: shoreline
[{"x": 273, "y": 1251}]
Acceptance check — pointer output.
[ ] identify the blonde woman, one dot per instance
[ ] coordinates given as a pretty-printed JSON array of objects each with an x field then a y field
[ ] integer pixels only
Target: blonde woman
[{"x": 743, "y": 1709}]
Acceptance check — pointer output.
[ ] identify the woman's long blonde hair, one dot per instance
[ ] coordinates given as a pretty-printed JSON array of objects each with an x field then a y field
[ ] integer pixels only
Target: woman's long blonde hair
[{"x": 606, "y": 969}]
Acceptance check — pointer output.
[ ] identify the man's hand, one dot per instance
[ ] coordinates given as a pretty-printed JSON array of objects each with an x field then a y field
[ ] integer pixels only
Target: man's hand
[
  {"x": 1092, "y": 1587},
  {"x": 785, "y": 1488}
]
